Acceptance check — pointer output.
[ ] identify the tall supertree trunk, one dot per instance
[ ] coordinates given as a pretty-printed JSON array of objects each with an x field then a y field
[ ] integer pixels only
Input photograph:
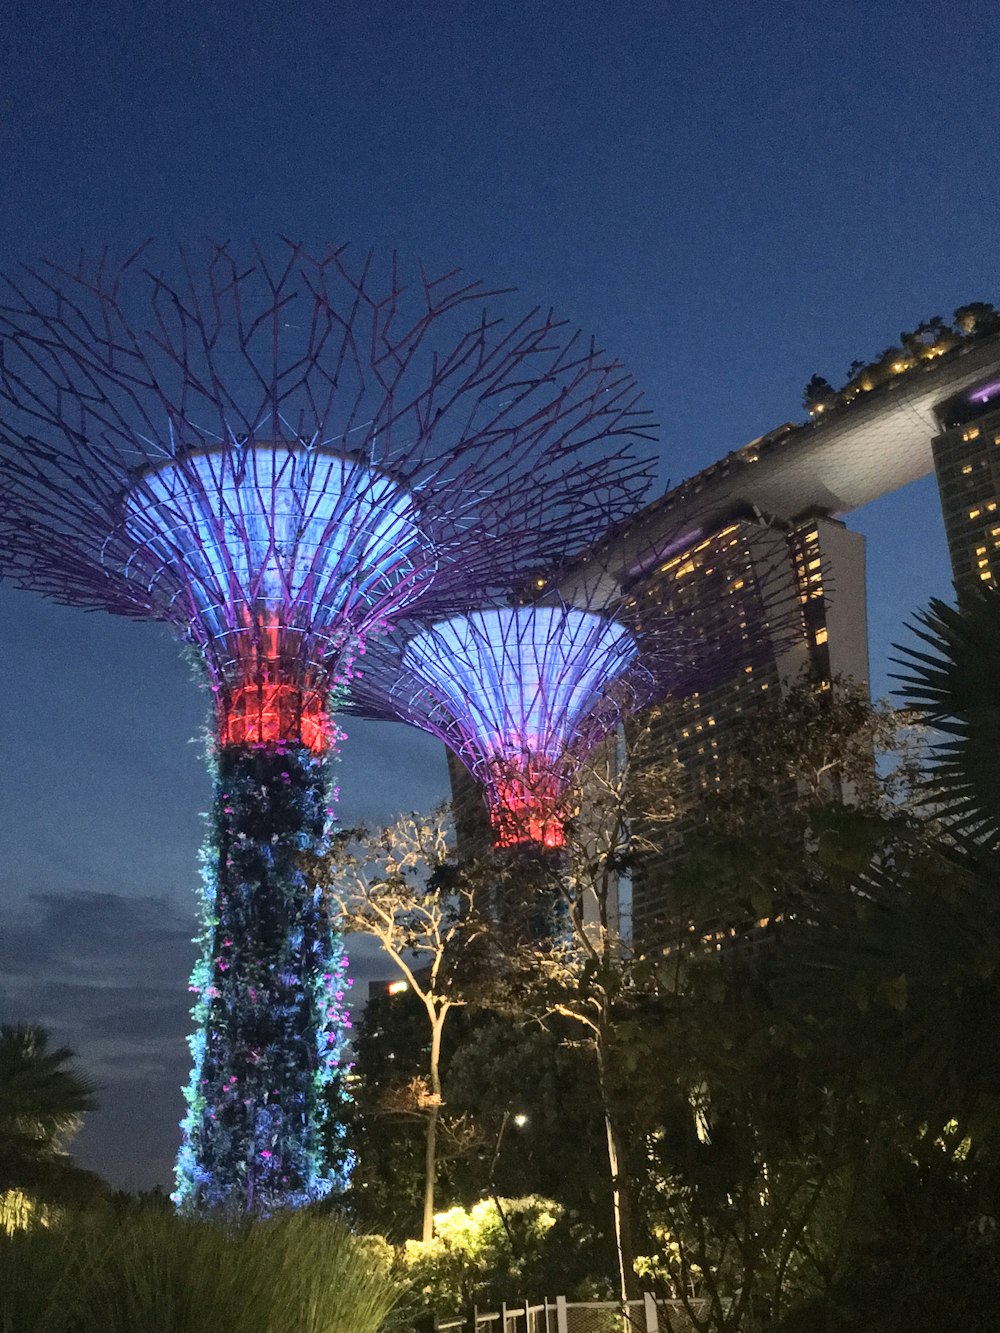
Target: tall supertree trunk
[{"x": 271, "y": 988}]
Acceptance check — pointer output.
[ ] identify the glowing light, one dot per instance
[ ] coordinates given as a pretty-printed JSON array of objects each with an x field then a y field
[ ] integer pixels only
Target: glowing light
[
  {"x": 273, "y": 542},
  {"x": 528, "y": 797},
  {"x": 514, "y": 689},
  {"x": 397, "y": 987},
  {"x": 985, "y": 393},
  {"x": 288, "y": 555},
  {"x": 524, "y": 677},
  {"x": 256, "y": 714}
]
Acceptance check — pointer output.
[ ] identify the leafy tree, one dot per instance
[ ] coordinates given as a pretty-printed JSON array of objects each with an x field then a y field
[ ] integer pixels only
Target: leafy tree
[
  {"x": 396, "y": 886},
  {"x": 391, "y": 1046},
  {"x": 534, "y": 1101},
  {"x": 816, "y": 745},
  {"x": 930, "y": 336},
  {"x": 520, "y": 1116},
  {"x": 819, "y": 395},
  {"x": 977, "y": 319},
  {"x": 42, "y": 1104},
  {"x": 484, "y": 1253},
  {"x": 579, "y": 980},
  {"x": 387, "y": 1119},
  {"x": 817, "y": 1044}
]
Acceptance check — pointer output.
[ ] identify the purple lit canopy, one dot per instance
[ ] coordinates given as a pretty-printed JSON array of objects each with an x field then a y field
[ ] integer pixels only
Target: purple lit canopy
[
  {"x": 278, "y": 457},
  {"x": 513, "y": 690}
]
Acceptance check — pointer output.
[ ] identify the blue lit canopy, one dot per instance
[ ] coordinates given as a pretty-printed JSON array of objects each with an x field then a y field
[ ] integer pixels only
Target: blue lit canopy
[
  {"x": 518, "y": 693},
  {"x": 523, "y": 678},
  {"x": 299, "y": 539}
]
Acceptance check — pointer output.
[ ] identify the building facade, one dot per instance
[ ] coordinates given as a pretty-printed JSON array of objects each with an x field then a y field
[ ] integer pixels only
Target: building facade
[
  {"x": 797, "y": 612},
  {"x": 967, "y": 464}
]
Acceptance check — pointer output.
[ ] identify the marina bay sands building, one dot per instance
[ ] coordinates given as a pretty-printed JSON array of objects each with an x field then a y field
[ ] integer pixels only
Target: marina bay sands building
[{"x": 939, "y": 412}]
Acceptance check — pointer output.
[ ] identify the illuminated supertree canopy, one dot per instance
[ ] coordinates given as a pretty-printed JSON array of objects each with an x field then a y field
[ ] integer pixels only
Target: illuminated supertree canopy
[
  {"x": 517, "y": 691},
  {"x": 522, "y": 692},
  {"x": 280, "y": 459}
]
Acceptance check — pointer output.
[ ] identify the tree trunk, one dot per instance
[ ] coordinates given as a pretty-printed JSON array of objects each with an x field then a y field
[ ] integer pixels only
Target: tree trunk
[
  {"x": 621, "y": 1202},
  {"x": 267, "y": 994},
  {"x": 430, "y": 1146}
]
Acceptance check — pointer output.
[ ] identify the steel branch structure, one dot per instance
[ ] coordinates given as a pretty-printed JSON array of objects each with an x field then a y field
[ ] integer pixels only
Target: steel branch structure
[
  {"x": 276, "y": 458},
  {"x": 279, "y": 459}
]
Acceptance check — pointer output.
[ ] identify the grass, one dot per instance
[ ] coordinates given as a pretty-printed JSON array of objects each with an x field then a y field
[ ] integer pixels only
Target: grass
[{"x": 162, "y": 1274}]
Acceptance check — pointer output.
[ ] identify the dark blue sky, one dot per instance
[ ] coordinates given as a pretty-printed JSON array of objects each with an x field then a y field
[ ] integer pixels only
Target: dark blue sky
[{"x": 730, "y": 196}]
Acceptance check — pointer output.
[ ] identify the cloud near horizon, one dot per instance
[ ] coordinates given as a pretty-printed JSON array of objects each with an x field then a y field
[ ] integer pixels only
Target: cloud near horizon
[{"x": 107, "y": 975}]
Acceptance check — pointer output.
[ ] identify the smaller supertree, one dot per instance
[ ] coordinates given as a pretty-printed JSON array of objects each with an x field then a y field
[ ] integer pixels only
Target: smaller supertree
[
  {"x": 522, "y": 692},
  {"x": 519, "y": 693}
]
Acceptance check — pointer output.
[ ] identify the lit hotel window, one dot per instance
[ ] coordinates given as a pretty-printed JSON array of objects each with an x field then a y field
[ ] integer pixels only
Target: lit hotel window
[
  {"x": 821, "y": 635},
  {"x": 966, "y": 469},
  {"x": 974, "y": 513},
  {"x": 971, "y": 434},
  {"x": 985, "y": 574}
]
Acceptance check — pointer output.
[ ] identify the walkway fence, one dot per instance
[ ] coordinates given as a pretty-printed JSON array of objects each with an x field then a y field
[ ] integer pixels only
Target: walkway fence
[{"x": 561, "y": 1316}]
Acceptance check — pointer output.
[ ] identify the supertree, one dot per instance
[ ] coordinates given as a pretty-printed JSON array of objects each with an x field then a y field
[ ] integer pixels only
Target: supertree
[
  {"x": 524, "y": 688},
  {"x": 277, "y": 458}
]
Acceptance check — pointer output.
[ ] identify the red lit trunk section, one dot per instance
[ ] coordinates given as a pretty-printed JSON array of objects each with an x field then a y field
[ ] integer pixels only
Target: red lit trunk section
[
  {"x": 256, "y": 714},
  {"x": 267, "y": 707},
  {"x": 527, "y": 805}
]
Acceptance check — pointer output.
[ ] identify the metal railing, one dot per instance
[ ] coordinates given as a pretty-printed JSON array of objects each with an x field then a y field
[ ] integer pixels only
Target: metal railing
[{"x": 647, "y": 1315}]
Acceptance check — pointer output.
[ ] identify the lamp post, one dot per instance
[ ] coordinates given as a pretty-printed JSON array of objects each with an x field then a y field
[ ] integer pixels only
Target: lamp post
[{"x": 520, "y": 1120}]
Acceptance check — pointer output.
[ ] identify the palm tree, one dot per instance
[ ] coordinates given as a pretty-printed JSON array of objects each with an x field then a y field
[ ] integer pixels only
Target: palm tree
[
  {"x": 42, "y": 1104},
  {"x": 956, "y": 688}
]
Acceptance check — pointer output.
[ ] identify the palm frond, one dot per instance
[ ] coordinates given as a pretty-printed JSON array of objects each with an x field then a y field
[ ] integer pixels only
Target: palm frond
[{"x": 956, "y": 688}]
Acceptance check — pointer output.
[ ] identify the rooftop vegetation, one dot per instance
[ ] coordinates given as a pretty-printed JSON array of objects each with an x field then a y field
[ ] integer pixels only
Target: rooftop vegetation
[{"x": 932, "y": 338}]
